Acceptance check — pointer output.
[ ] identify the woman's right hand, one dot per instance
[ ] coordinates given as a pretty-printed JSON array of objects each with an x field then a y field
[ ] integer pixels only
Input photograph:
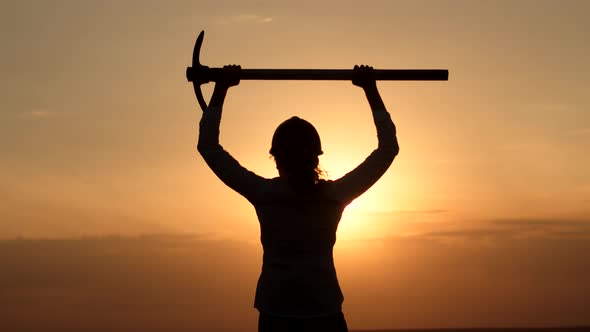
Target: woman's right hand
[
  {"x": 364, "y": 77},
  {"x": 230, "y": 76}
]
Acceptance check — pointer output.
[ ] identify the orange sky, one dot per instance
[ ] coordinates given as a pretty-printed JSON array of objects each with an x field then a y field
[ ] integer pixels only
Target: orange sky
[{"x": 98, "y": 126}]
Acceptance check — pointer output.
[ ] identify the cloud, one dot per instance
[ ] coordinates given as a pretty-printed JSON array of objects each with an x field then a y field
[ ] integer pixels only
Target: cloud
[
  {"x": 506, "y": 229},
  {"x": 426, "y": 211},
  {"x": 38, "y": 114},
  {"x": 33, "y": 216},
  {"x": 245, "y": 19},
  {"x": 463, "y": 161},
  {"x": 529, "y": 146},
  {"x": 397, "y": 213},
  {"x": 471, "y": 233}
]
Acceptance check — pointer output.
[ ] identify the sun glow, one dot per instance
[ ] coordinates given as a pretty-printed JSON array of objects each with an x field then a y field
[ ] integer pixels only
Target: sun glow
[{"x": 362, "y": 219}]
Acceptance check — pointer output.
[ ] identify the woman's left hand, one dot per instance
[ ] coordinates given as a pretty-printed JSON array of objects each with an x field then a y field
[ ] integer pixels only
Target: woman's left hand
[{"x": 230, "y": 76}]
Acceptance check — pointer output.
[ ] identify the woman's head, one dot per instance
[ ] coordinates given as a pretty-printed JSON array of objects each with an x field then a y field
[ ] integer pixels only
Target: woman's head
[{"x": 295, "y": 147}]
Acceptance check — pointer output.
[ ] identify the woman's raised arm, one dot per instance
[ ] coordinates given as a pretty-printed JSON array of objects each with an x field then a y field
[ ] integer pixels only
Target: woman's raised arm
[
  {"x": 359, "y": 180},
  {"x": 226, "y": 167}
]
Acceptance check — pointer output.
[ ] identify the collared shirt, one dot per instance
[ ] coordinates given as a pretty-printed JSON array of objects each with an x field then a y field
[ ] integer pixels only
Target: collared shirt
[{"x": 298, "y": 231}]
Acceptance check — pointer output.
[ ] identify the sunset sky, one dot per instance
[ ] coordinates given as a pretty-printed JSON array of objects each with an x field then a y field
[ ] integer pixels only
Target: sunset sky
[{"x": 482, "y": 220}]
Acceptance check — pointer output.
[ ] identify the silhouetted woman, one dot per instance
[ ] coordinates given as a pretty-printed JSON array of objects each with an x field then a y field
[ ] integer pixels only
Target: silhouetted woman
[{"x": 298, "y": 211}]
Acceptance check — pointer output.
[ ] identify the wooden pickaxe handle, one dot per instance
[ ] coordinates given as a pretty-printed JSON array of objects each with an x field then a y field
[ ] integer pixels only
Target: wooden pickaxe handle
[{"x": 322, "y": 74}]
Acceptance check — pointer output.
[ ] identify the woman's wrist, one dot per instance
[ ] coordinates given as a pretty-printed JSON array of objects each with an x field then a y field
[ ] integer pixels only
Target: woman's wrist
[
  {"x": 218, "y": 96},
  {"x": 371, "y": 89}
]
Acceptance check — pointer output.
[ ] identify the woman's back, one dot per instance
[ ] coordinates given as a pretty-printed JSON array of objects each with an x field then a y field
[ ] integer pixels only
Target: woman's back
[{"x": 298, "y": 233}]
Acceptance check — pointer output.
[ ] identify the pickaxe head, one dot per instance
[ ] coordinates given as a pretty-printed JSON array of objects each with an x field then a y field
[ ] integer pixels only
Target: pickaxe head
[{"x": 195, "y": 73}]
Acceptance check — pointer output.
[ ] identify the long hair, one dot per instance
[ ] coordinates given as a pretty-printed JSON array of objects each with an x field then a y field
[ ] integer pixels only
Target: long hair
[{"x": 295, "y": 147}]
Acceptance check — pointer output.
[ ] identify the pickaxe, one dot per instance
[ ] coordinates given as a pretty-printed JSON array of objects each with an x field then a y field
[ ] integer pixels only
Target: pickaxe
[{"x": 199, "y": 74}]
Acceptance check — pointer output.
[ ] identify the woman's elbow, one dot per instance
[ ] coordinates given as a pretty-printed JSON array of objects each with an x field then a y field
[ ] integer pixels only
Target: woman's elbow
[
  {"x": 394, "y": 146},
  {"x": 393, "y": 153},
  {"x": 201, "y": 147},
  {"x": 395, "y": 149},
  {"x": 204, "y": 149},
  {"x": 390, "y": 150}
]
